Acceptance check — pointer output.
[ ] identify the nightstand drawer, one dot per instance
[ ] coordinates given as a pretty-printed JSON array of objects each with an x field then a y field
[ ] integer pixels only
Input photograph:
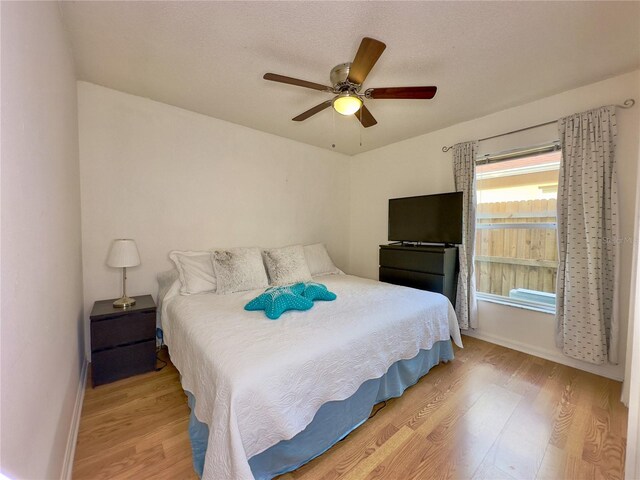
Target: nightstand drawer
[
  {"x": 122, "y": 330},
  {"x": 116, "y": 363}
]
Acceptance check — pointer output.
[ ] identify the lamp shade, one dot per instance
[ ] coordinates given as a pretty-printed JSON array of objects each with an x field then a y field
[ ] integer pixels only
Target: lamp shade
[{"x": 123, "y": 253}]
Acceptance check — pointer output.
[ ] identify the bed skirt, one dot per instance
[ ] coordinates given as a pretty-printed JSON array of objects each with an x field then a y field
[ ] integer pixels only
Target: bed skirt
[{"x": 333, "y": 421}]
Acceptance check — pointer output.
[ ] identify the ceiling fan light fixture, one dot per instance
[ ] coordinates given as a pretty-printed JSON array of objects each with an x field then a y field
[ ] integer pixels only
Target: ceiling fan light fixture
[{"x": 347, "y": 103}]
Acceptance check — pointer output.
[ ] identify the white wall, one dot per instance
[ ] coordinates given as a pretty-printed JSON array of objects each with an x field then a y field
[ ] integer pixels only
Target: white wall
[
  {"x": 174, "y": 179},
  {"x": 42, "y": 350},
  {"x": 631, "y": 388},
  {"x": 418, "y": 166}
]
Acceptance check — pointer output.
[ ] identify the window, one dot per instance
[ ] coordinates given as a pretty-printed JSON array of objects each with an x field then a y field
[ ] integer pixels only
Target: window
[{"x": 516, "y": 235}]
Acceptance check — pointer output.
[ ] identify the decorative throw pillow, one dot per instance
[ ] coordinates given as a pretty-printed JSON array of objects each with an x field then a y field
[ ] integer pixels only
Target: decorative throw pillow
[
  {"x": 286, "y": 265},
  {"x": 238, "y": 270},
  {"x": 319, "y": 261},
  {"x": 195, "y": 271},
  {"x": 277, "y": 300},
  {"x": 316, "y": 291}
]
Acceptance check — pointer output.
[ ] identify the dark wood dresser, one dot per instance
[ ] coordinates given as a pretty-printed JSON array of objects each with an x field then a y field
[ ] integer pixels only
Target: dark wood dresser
[
  {"x": 122, "y": 340},
  {"x": 432, "y": 268}
]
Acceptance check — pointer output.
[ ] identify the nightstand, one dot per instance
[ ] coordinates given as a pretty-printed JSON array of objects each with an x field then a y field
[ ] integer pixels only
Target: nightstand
[{"x": 123, "y": 341}]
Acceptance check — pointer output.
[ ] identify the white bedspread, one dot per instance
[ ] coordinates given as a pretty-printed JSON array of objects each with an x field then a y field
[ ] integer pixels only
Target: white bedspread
[{"x": 258, "y": 381}]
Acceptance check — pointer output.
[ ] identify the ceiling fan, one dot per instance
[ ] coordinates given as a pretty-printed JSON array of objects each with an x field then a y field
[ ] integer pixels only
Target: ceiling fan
[{"x": 347, "y": 80}]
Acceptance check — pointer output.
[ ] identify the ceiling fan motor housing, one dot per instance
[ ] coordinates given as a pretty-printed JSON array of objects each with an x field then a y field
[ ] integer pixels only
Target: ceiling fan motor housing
[{"x": 339, "y": 75}]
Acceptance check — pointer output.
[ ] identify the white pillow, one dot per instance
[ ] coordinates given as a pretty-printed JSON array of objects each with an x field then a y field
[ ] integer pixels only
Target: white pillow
[
  {"x": 239, "y": 269},
  {"x": 319, "y": 261},
  {"x": 286, "y": 265},
  {"x": 195, "y": 271},
  {"x": 165, "y": 280}
]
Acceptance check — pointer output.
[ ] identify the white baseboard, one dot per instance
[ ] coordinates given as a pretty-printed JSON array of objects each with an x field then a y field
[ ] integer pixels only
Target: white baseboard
[
  {"x": 67, "y": 466},
  {"x": 608, "y": 371}
]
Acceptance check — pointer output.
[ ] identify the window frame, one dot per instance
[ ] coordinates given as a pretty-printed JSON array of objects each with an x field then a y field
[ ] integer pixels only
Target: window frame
[{"x": 504, "y": 156}]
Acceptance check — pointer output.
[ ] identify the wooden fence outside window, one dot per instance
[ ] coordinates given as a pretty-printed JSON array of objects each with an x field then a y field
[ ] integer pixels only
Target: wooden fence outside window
[{"x": 516, "y": 246}]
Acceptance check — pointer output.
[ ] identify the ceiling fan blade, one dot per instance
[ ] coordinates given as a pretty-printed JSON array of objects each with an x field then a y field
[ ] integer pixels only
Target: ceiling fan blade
[
  {"x": 367, "y": 56},
  {"x": 274, "y": 77},
  {"x": 402, "y": 92},
  {"x": 365, "y": 117},
  {"x": 312, "y": 111}
]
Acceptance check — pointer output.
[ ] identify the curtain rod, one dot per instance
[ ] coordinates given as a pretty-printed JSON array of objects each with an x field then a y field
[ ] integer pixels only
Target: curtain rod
[{"x": 628, "y": 103}]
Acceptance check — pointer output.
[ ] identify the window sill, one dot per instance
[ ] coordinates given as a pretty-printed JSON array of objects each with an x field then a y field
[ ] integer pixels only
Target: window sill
[{"x": 510, "y": 302}]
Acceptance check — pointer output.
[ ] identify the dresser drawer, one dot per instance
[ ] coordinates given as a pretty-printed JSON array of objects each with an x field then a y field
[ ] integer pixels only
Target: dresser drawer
[
  {"x": 423, "y": 281},
  {"x": 417, "y": 260},
  {"x": 116, "y": 363},
  {"x": 121, "y": 330}
]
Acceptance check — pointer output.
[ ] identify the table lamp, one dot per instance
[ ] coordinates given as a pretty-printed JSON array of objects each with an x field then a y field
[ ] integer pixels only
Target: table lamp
[{"x": 123, "y": 254}]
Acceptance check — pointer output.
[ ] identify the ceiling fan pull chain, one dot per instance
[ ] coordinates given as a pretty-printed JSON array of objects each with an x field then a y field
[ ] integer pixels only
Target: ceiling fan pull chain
[
  {"x": 360, "y": 129},
  {"x": 333, "y": 133}
]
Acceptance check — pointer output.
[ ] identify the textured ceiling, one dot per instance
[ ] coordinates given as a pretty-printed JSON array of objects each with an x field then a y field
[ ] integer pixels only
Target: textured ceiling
[{"x": 209, "y": 57}]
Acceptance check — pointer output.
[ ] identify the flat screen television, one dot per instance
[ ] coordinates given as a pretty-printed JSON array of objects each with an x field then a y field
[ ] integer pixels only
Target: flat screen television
[{"x": 427, "y": 218}]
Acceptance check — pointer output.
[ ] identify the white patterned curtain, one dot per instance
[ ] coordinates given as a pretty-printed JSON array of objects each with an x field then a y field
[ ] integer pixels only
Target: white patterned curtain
[
  {"x": 586, "y": 286},
  {"x": 464, "y": 174}
]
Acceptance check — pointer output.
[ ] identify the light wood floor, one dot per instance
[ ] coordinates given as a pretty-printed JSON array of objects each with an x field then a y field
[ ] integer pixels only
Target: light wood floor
[{"x": 492, "y": 413}]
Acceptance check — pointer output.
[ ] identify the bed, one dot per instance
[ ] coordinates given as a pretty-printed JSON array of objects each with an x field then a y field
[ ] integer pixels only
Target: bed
[{"x": 268, "y": 396}]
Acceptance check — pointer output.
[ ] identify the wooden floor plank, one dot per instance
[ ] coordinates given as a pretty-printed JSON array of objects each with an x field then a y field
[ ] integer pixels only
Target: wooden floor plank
[
  {"x": 459, "y": 445},
  {"x": 336, "y": 464},
  {"x": 363, "y": 469},
  {"x": 490, "y": 414},
  {"x": 488, "y": 471}
]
